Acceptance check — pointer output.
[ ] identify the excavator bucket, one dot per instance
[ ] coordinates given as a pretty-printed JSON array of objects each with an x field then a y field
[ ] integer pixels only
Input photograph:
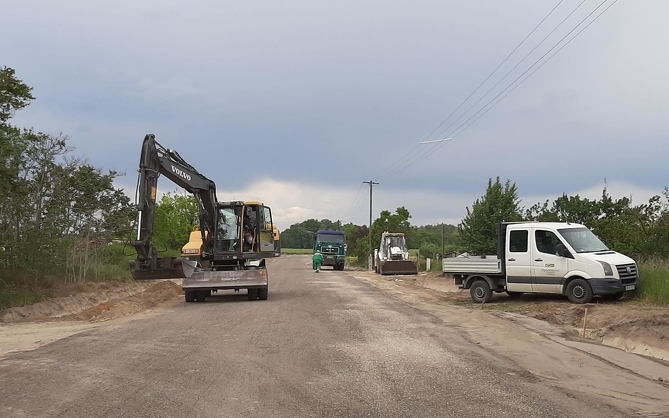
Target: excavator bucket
[
  {"x": 166, "y": 268},
  {"x": 398, "y": 267}
]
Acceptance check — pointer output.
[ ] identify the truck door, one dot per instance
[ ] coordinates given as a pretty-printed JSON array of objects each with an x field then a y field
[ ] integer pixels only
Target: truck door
[
  {"x": 266, "y": 230},
  {"x": 548, "y": 268},
  {"x": 518, "y": 265}
]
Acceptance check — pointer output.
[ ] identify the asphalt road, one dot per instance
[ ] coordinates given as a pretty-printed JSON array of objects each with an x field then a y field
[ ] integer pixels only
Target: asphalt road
[{"x": 322, "y": 345}]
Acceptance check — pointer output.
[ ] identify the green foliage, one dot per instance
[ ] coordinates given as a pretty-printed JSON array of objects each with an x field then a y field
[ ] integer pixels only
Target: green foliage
[
  {"x": 390, "y": 222},
  {"x": 11, "y": 296},
  {"x": 57, "y": 212},
  {"x": 654, "y": 282},
  {"x": 478, "y": 230},
  {"x": 175, "y": 216},
  {"x": 14, "y": 94},
  {"x": 640, "y": 231},
  {"x": 428, "y": 238},
  {"x": 301, "y": 235}
]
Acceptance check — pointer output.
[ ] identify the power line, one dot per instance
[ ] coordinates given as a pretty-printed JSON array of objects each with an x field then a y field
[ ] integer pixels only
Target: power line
[
  {"x": 515, "y": 66},
  {"x": 542, "y": 64},
  {"x": 457, "y": 130},
  {"x": 412, "y": 159},
  {"x": 496, "y": 68},
  {"x": 539, "y": 60}
]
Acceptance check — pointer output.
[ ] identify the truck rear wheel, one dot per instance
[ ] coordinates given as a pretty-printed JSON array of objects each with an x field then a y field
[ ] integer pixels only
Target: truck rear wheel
[
  {"x": 253, "y": 294},
  {"x": 263, "y": 292},
  {"x": 480, "y": 291},
  {"x": 579, "y": 291}
]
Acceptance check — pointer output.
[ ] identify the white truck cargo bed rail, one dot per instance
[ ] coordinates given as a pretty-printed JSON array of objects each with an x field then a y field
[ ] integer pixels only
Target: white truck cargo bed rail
[{"x": 470, "y": 264}]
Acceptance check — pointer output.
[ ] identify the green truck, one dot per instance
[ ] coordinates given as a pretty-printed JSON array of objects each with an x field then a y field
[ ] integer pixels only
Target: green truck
[{"x": 332, "y": 244}]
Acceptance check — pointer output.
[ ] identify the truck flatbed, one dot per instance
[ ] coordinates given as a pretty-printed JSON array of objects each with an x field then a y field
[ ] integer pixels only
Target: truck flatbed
[{"x": 466, "y": 264}]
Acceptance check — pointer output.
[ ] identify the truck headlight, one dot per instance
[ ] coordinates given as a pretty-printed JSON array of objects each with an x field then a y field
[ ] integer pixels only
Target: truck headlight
[{"x": 608, "y": 271}]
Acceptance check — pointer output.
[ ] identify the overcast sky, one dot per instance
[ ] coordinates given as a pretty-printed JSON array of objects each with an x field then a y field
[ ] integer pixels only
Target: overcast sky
[{"x": 296, "y": 103}]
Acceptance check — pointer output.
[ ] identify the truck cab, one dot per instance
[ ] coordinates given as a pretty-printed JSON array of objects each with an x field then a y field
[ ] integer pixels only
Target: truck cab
[
  {"x": 546, "y": 257},
  {"x": 332, "y": 245}
]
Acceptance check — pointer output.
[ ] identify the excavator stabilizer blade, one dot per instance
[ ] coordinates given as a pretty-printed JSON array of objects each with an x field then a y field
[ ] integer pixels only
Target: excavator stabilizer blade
[
  {"x": 235, "y": 279},
  {"x": 398, "y": 267},
  {"x": 166, "y": 268}
]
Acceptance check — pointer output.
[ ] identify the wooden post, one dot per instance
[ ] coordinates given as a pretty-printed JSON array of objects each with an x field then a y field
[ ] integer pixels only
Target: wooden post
[{"x": 585, "y": 321}]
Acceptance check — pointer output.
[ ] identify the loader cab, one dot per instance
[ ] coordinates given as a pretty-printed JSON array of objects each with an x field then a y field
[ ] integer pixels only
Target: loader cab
[{"x": 243, "y": 228}]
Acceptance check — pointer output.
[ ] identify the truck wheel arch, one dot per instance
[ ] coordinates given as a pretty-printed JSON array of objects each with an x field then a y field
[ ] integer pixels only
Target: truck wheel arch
[
  {"x": 573, "y": 275},
  {"x": 471, "y": 279}
]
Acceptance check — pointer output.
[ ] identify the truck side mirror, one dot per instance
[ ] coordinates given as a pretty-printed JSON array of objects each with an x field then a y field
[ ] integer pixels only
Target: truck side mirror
[{"x": 562, "y": 251}]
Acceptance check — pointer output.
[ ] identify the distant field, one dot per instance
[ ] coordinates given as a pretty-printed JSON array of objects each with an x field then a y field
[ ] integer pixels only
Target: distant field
[{"x": 296, "y": 251}]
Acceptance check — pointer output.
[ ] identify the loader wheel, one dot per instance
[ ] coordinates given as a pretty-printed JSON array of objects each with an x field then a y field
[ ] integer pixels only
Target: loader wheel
[
  {"x": 480, "y": 291},
  {"x": 263, "y": 292},
  {"x": 190, "y": 296},
  {"x": 201, "y": 295},
  {"x": 253, "y": 294},
  {"x": 579, "y": 291}
]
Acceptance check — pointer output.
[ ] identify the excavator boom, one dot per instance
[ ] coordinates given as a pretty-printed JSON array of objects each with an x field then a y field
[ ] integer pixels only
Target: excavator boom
[{"x": 156, "y": 160}]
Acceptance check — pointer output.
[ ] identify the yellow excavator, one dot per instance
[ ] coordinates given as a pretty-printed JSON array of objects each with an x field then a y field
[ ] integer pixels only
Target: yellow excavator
[{"x": 235, "y": 237}]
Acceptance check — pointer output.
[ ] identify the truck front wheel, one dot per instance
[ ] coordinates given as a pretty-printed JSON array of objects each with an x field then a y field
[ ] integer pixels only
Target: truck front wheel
[
  {"x": 480, "y": 291},
  {"x": 579, "y": 291}
]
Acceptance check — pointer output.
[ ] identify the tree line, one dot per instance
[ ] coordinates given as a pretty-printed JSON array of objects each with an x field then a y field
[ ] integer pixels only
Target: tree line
[
  {"x": 638, "y": 230},
  {"x": 57, "y": 211}
]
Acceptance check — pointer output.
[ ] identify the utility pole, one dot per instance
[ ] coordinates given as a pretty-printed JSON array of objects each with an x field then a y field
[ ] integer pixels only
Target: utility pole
[{"x": 371, "y": 185}]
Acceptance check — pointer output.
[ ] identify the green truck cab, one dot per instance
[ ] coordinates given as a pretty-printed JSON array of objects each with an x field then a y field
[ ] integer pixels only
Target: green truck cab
[{"x": 332, "y": 244}]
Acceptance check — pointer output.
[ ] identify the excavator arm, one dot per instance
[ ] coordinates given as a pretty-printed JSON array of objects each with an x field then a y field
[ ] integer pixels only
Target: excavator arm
[{"x": 156, "y": 160}]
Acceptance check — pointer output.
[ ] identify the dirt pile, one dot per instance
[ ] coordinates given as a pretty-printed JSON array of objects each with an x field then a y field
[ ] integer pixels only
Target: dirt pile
[{"x": 95, "y": 302}]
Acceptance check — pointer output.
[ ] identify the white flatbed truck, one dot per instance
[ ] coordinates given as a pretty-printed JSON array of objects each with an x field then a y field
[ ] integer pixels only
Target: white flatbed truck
[{"x": 546, "y": 257}]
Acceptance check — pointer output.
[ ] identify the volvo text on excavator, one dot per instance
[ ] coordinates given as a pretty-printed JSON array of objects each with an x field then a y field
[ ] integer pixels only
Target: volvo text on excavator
[{"x": 236, "y": 236}]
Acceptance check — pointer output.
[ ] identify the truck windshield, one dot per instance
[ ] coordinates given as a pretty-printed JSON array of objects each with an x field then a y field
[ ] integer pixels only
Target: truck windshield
[
  {"x": 336, "y": 239},
  {"x": 582, "y": 240}
]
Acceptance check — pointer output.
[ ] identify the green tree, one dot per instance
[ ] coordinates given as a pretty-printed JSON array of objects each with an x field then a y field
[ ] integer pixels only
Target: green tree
[
  {"x": 478, "y": 230},
  {"x": 175, "y": 216},
  {"x": 390, "y": 222},
  {"x": 14, "y": 94}
]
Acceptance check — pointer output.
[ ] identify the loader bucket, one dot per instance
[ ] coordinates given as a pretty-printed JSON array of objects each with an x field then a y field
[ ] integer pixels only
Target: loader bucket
[
  {"x": 166, "y": 268},
  {"x": 398, "y": 267}
]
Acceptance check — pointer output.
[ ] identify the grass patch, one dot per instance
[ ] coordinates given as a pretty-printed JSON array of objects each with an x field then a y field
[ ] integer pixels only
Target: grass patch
[
  {"x": 654, "y": 282},
  {"x": 11, "y": 296}
]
